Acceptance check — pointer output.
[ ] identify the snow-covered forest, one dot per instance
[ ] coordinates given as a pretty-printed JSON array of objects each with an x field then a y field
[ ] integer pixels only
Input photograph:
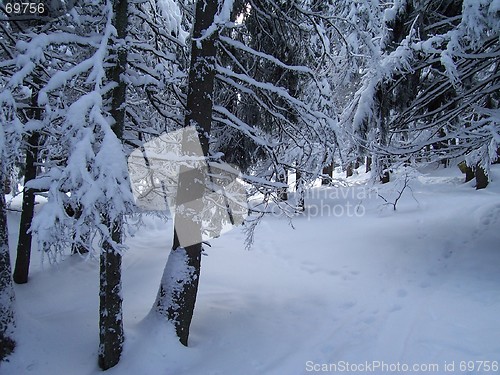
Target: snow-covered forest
[{"x": 249, "y": 186}]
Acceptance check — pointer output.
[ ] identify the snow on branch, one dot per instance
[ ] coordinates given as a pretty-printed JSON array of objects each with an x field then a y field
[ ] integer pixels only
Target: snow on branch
[{"x": 274, "y": 60}]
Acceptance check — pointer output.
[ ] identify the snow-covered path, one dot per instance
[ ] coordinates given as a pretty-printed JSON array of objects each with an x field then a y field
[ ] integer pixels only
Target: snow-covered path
[{"x": 419, "y": 286}]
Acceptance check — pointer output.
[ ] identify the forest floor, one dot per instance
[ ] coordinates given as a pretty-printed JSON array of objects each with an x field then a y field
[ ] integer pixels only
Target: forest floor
[{"x": 353, "y": 285}]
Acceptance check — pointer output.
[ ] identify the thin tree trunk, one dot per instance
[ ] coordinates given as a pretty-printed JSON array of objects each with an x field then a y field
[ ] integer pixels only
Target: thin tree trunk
[
  {"x": 327, "y": 174},
  {"x": 348, "y": 170},
  {"x": 7, "y": 323},
  {"x": 481, "y": 177},
  {"x": 368, "y": 164},
  {"x": 111, "y": 335},
  {"x": 283, "y": 192},
  {"x": 299, "y": 191},
  {"x": 21, "y": 269},
  {"x": 385, "y": 177},
  {"x": 179, "y": 286}
]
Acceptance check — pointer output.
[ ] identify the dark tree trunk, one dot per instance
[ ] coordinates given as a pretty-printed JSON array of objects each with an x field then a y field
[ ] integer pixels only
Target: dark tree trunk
[
  {"x": 7, "y": 323},
  {"x": 111, "y": 335},
  {"x": 283, "y": 192},
  {"x": 386, "y": 177},
  {"x": 177, "y": 297},
  {"x": 348, "y": 170},
  {"x": 481, "y": 177},
  {"x": 21, "y": 269},
  {"x": 497, "y": 160},
  {"x": 327, "y": 174},
  {"x": 110, "y": 301},
  {"x": 469, "y": 174},
  {"x": 368, "y": 164},
  {"x": 7, "y": 185},
  {"x": 299, "y": 191}
]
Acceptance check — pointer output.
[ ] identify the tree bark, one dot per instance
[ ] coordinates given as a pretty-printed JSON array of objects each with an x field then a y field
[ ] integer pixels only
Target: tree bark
[
  {"x": 481, "y": 177},
  {"x": 327, "y": 174},
  {"x": 21, "y": 269},
  {"x": 110, "y": 301},
  {"x": 7, "y": 185},
  {"x": 7, "y": 323},
  {"x": 385, "y": 177},
  {"x": 368, "y": 164},
  {"x": 469, "y": 174},
  {"x": 111, "y": 336},
  {"x": 348, "y": 170},
  {"x": 179, "y": 286},
  {"x": 497, "y": 160},
  {"x": 299, "y": 183},
  {"x": 283, "y": 192}
]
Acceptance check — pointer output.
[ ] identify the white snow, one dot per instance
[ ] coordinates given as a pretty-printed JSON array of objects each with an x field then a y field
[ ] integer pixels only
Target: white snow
[{"x": 418, "y": 286}]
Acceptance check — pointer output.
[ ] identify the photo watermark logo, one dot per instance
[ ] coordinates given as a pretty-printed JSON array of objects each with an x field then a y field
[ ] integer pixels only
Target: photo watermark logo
[
  {"x": 330, "y": 202},
  {"x": 172, "y": 172}
]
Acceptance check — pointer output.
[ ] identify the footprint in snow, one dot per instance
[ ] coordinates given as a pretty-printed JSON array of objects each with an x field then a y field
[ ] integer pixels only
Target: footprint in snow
[
  {"x": 487, "y": 220},
  {"x": 491, "y": 217}
]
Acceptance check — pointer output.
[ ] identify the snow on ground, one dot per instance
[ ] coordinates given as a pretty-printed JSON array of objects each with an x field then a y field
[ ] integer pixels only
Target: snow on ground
[{"x": 372, "y": 286}]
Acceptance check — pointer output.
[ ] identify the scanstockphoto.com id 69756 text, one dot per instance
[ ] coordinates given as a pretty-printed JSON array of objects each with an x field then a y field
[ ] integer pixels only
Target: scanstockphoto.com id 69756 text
[{"x": 376, "y": 366}]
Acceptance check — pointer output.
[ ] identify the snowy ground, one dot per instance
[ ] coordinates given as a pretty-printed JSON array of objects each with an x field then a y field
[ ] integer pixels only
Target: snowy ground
[{"x": 419, "y": 286}]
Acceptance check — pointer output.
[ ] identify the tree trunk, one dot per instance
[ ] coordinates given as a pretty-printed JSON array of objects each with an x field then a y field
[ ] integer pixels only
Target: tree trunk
[
  {"x": 7, "y": 323},
  {"x": 469, "y": 174},
  {"x": 179, "y": 286},
  {"x": 7, "y": 185},
  {"x": 283, "y": 192},
  {"x": 348, "y": 170},
  {"x": 21, "y": 269},
  {"x": 327, "y": 174},
  {"x": 176, "y": 298},
  {"x": 385, "y": 177},
  {"x": 497, "y": 160},
  {"x": 368, "y": 164},
  {"x": 299, "y": 183},
  {"x": 110, "y": 301},
  {"x": 111, "y": 336},
  {"x": 481, "y": 177},
  {"x": 357, "y": 163}
]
